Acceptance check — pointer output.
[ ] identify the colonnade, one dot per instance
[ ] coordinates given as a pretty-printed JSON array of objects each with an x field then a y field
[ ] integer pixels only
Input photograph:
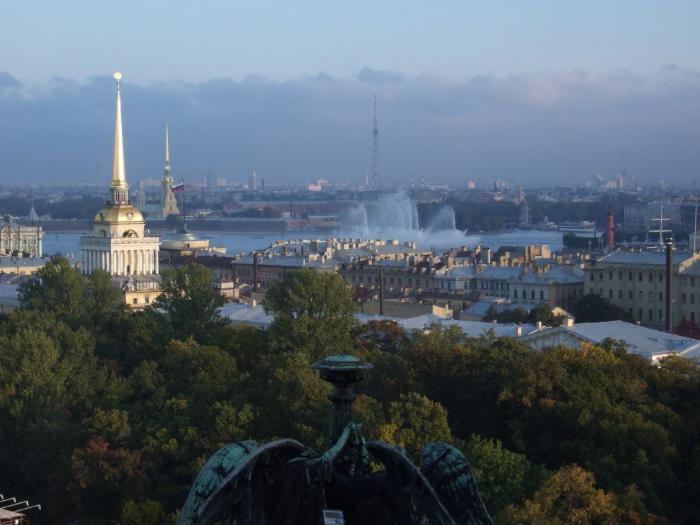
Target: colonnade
[{"x": 120, "y": 262}]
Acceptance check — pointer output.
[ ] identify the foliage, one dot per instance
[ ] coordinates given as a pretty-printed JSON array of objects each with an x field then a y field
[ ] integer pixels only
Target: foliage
[
  {"x": 314, "y": 313},
  {"x": 541, "y": 313},
  {"x": 570, "y": 497},
  {"x": 592, "y": 308},
  {"x": 188, "y": 302},
  {"x": 505, "y": 478},
  {"x": 414, "y": 421},
  {"x": 106, "y": 417}
]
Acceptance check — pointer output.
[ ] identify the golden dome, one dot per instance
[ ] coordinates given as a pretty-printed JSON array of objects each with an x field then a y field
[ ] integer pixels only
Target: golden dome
[{"x": 119, "y": 213}]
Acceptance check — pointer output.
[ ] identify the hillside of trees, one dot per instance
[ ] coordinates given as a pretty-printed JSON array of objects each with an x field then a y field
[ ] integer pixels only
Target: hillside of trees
[{"x": 107, "y": 416}]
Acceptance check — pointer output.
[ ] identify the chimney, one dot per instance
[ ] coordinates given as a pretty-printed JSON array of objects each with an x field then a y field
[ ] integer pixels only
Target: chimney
[
  {"x": 539, "y": 326},
  {"x": 518, "y": 331},
  {"x": 611, "y": 229},
  {"x": 569, "y": 322}
]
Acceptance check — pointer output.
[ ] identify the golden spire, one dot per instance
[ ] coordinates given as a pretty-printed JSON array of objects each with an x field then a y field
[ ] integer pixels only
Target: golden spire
[
  {"x": 118, "y": 169},
  {"x": 167, "y": 145}
]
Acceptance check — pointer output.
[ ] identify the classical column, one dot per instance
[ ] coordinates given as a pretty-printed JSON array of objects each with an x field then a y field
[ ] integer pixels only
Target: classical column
[{"x": 155, "y": 253}]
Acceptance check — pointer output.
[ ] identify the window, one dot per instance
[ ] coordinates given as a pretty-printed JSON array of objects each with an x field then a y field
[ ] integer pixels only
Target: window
[
  {"x": 651, "y": 297},
  {"x": 148, "y": 299},
  {"x": 610, "y": 294},
  {"x": 692, "y": 316},
  {"x": 641, "y": 277},
  {"x": 610, "y": 275},
  {"x": 135, "y": 300},
  {"x": 600, "y": 277},
  {"x": 661, "y": 277},
  {"x": 524, "y": 295},
  {"x": 619, "y": 294},
  {"x": 692, "y": 298},
  {"x": 651, "y": 315},
  {"x": 515, "y": 294},
  {"x": 619, "y": 275},
  {"x": 641, "y": 296},
  {"x": 683, "y": 297},
  {"x": 661, "y": 316},
  {"x": 592, "y": 277},
  {"x": 541, "y": 295},
  {"x": 692, "y": 281},
  {"x": 532, "y": 294},
  {"x": 639, "y": 314},
  {"x": 651, "y": 277},
  {"x": 661, "y": 297},
  {"x": 629, "y": 295},
  {"x": 629, "y": 275}
]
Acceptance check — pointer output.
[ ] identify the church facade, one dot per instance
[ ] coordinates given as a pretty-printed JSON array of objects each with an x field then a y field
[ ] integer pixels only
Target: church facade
[{"x": 119, "y": 243}]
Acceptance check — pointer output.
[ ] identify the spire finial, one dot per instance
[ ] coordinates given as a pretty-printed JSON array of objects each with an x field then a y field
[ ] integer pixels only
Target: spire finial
[{"x": 119, "y": 186}]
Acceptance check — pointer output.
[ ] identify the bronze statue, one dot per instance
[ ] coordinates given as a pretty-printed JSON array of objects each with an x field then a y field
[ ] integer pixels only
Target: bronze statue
[{"x": 286, "y": 483}]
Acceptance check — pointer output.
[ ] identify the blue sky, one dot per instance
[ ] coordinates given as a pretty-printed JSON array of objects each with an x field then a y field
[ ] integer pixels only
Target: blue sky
[
  {"x": 536, "y": 92},
  {"x": 157, "y": 40}
]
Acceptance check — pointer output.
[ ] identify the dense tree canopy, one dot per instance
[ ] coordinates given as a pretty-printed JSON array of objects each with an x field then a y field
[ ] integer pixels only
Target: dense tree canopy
[
  {"x": 106, "y": 417},
  {"x": 313, "y": 313}
]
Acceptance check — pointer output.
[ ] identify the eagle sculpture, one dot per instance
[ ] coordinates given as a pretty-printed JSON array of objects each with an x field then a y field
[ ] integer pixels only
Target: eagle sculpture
[{"x": 286, "y": 483}]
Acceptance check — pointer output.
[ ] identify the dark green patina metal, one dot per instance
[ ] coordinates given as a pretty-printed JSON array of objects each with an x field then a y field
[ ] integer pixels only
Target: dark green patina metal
[
  {"x": 285, "y": 483},
  {"x": 342, "y": 371}
]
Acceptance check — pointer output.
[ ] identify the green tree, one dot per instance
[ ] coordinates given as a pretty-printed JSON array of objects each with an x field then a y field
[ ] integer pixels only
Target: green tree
[
  {"x": 543, "y": 313},
  {"x": 314, "y": 313},
  {"x": 58, "y": 288},
  {"x": 504, "y": 477},
  {"x": 592, "y": 308},
  {"x": 413, "y": 422},
  {"x": 188, "y": 302},
  {"x": 570, "y": 497}
]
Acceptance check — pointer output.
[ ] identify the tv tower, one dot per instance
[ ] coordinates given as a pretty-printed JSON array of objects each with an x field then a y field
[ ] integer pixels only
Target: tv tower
[{"x": 375, "y": 147}]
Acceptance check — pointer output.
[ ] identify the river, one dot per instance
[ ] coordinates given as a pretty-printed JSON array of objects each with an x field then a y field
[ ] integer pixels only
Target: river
[{"x": 66, "y": 243}]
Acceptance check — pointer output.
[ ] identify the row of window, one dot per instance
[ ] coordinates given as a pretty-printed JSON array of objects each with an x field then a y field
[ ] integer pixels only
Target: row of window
[
  {"x": 630, "y": 295},
  {"x": 640, "y": 277},
  {"x": 650, "y": 315},
  {"x": 630, "y": 276}
]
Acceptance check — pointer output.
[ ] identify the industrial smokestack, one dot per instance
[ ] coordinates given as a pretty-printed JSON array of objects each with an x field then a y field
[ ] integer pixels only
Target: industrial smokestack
[
  {"x": 611, "y": 229},
  {"x": 669, "y": 277}
]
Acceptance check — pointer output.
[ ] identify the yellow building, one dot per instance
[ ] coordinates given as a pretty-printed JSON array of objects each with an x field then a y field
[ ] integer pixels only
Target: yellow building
[{"x": 119, "y": 243}]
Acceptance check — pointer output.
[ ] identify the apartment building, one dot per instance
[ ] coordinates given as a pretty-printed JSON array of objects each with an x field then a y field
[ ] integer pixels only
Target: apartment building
[{"x": 636, "y": 281}]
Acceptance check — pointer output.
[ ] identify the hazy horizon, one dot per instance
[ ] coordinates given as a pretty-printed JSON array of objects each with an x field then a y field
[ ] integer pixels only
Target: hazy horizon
[{"x": 533, "y": 93}]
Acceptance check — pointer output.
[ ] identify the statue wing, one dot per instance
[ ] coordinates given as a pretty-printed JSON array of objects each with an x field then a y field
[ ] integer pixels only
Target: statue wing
[
  {"x": 449, "y": 474},
  {"x": 263, "y": 487},
  {"x": 214, "y": 471},
  {"x": 408, "y": 489}
]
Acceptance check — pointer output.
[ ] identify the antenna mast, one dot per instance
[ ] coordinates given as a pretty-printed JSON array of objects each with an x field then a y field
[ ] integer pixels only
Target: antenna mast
[
  {"x": 375, "y": 147},
  {"x": 660, "y": 230}
]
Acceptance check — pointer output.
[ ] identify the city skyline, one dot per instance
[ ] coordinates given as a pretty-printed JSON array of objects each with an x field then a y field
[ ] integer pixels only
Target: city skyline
[{"x": 532, "y": 94}]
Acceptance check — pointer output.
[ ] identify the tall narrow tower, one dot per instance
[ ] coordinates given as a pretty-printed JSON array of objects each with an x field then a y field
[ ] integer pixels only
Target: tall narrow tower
[
  {"x": 375, "y": 148},
  {"x": 119, "y": 243},
  {"x": 167, "y": 196}
]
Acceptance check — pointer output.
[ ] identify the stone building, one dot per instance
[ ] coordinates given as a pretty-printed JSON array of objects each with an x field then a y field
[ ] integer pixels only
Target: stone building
[
  {"x": 18, "y": 239},
  {"x": 119, "y": 243},
  {"x": 636, "y": 282}
]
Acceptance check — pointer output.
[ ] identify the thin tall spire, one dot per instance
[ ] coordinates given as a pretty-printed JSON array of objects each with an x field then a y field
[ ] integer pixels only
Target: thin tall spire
[
  {"x": 167, "y": 147},
  {"x": 118, "y": 168}
]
